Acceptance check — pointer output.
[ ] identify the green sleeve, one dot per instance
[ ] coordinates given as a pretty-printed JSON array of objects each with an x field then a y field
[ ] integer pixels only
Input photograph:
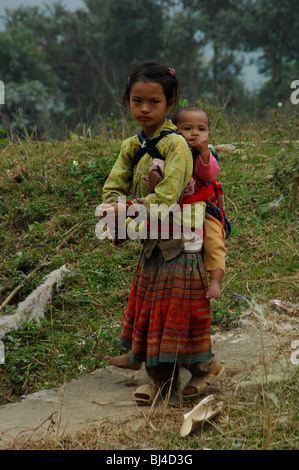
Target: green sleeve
[{"x": 119, "y": 182}]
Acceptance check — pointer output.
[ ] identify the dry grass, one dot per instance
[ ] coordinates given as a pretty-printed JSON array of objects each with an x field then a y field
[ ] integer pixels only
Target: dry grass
[{"x": 254, "y": 418}]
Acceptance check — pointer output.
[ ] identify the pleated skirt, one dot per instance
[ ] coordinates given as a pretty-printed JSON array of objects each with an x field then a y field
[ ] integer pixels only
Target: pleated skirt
[{"x": 167, "y": 318}]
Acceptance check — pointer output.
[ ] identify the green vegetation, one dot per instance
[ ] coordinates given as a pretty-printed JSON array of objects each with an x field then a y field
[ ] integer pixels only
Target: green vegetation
[
  {"x": 61, "y": 67},
  {"x": 48, "y": 195}
]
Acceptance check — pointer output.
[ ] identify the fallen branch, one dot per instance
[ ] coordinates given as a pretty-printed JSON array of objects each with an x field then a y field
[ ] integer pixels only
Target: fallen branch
[
  {"x": 64, "y": 237},
  {"x": 33, "y": 307},
  {"x": 281, "y": 279},
  {"x": 19, "y": 287}
]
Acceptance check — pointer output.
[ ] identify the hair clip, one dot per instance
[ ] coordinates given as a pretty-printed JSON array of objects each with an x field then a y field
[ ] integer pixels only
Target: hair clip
[{"x": 171, "y": 71}]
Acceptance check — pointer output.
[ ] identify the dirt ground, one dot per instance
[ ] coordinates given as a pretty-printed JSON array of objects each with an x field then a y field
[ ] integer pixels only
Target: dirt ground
[{"x": 262, "y": 348}]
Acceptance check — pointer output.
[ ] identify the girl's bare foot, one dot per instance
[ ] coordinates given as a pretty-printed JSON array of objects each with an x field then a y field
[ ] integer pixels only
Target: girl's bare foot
[{"x": 123, "y": 362}]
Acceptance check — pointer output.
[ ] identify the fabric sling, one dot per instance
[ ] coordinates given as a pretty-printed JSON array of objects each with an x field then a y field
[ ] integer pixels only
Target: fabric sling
[
  {"x": 210, "y": 191},
  {"x": 149, "y": 146}
]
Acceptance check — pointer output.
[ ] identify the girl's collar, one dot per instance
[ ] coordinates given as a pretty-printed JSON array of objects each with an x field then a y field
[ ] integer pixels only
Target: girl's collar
[{"x": 167, "y": 123}]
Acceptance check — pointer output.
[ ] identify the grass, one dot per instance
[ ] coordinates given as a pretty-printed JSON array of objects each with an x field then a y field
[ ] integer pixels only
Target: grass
[{"x": 48, "y": 195}]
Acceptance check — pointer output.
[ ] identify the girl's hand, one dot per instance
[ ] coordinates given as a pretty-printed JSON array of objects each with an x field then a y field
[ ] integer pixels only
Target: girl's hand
[{"x": 114, "y": 215}]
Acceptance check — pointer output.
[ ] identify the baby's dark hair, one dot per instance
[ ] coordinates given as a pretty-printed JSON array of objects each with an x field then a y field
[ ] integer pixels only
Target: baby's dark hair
[
  {"x": 176, "y": 115},
  {"x": 154, "y": 72}
]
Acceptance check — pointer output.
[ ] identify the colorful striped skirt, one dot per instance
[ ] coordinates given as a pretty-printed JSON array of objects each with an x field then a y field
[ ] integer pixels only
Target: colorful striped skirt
[{"x": 167, "y": 317}]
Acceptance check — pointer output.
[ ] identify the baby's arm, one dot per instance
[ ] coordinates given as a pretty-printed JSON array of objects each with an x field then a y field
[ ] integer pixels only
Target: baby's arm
[
  {"x": 206, "y": 171},
  {"x": 206, "y": 166}
]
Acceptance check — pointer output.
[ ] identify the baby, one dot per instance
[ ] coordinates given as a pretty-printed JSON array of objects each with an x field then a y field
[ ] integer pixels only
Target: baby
[{"x": 193, "y": 123}]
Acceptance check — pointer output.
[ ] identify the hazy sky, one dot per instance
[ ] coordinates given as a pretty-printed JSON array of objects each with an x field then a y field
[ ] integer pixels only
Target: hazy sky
[
  {"x": 250, "y": 74},
  {"x": 12, "y": 4}
]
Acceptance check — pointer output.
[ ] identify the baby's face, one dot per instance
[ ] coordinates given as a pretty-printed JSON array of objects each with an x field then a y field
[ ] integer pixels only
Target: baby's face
[{"x": 193, "y": 124}]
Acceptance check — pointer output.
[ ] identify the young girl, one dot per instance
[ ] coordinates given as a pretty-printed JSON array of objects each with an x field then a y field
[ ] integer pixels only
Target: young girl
[{"x": 167, "y": 318}]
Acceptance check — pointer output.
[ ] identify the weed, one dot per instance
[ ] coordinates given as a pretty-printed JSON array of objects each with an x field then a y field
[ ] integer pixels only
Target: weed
[{"x": 3, "y": 140}]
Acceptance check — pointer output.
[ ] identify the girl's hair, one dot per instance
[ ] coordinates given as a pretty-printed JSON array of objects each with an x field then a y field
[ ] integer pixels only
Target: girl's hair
[
  {"x": 154, "y": 72},
  {"x": 176, "y": 115}
]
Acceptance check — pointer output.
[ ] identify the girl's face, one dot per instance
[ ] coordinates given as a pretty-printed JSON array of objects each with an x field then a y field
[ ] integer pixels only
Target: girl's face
[{"x": 148, "y": 105}]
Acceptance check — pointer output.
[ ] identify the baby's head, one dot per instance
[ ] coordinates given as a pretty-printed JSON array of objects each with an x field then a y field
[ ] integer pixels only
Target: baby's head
[{"x": 190, "y": 122}]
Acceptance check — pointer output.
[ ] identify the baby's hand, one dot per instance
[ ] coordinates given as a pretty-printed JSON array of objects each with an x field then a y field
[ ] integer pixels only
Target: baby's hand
[{"x": 201, "y": 143}]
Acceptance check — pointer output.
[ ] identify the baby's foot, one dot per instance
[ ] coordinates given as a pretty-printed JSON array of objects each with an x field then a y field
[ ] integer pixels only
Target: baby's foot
[
  {"x": 214, "y": 290},
  {"x": 123, "y": 362}
]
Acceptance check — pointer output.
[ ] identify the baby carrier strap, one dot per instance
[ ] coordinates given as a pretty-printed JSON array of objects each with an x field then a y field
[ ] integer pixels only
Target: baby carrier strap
[
  {"x": 211, "y": 193},
  {"x": 149, "y": 146}
]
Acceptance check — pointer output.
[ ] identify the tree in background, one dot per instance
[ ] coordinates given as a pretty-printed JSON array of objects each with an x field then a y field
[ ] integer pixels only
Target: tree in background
[
  {"x": 121, "y": 34},
  {"x": 29, "y": 82},
  {"x": 203, "y": 37},
  {"x": 56, "y": 31},
  {"x": 68, "y": 68},
  {"x": 184, "y": 48},
  {"x": 220, "y": 24},
  {"x": 91, "y": 50},
  {"x": 272, "y": 29}
]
